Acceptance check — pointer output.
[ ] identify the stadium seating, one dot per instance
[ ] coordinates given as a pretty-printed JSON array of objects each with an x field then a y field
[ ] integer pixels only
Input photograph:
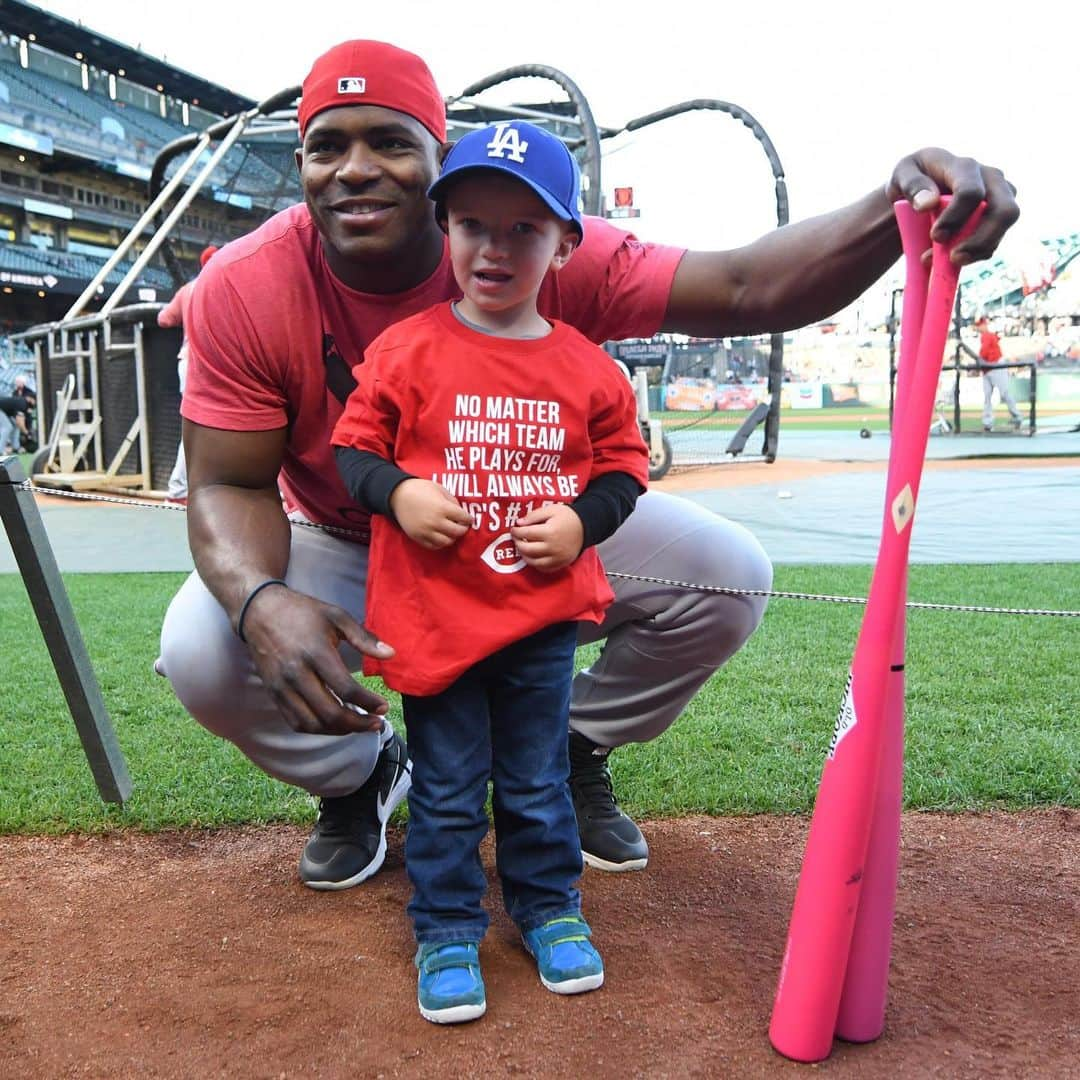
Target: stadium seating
[
  {"x": 73, "y": 118},
  {"x": 70, "y": 264}
]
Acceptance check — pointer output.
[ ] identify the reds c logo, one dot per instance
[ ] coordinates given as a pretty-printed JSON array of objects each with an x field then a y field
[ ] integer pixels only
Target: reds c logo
[
  {"x": 507, "y": 142},
  {"x": 502, "y": 556}
]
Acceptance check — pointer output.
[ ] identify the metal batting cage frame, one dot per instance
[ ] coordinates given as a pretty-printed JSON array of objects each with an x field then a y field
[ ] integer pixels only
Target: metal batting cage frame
[{"x": 108, "y": 387}]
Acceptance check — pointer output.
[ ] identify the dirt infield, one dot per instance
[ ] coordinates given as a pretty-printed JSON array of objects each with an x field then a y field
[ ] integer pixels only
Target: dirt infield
[
  {"x": 199, "y": 954},
  {"x": 733, "y": 474}
]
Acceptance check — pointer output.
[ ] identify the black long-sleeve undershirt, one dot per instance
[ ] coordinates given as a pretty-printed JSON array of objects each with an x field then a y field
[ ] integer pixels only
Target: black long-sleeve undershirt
[{"x": 603, "y": 506}]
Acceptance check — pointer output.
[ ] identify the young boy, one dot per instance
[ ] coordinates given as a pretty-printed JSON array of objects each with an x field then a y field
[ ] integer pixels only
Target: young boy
[{"x": 496, "y": 449}]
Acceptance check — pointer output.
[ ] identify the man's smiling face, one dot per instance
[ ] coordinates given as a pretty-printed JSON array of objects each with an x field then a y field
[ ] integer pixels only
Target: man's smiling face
[{"x": 365, "y": 171}]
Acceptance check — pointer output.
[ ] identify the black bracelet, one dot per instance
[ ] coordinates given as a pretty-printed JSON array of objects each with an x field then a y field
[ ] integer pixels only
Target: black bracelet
[{"x": 251, "y": 596}]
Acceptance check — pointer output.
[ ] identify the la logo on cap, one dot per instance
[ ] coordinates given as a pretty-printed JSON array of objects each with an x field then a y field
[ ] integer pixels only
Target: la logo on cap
[
  {"x": 351, "y": 84},
  {"x": 507, "y": 142}
]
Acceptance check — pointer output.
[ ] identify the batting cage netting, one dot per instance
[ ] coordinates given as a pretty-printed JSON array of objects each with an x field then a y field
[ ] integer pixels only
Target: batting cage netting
[{"x": 110, "y": 393}]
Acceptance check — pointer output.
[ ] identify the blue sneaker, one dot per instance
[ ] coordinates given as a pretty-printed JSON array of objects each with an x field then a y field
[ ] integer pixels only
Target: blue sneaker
[
  {"x": 449, "y": 988},
  {"x": 567, "y": 961}
]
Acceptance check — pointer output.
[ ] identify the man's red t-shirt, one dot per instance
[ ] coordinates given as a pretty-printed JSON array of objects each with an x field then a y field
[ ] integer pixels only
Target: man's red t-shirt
[
  {"x": 507, "y": 426},
  {"x": 989, "y": 347},
  {"x": 274, "y": 336}
]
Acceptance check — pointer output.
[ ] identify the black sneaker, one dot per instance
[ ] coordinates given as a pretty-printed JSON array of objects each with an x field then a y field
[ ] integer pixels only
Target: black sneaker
[
  {"x": 348, "y": 843},
  {"x": 609, "y": 839}
]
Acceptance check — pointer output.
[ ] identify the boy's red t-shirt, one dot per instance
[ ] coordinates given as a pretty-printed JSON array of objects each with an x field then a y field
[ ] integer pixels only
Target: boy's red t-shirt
[
  {"x": 506, "y": 426},
  {"x": 273, "y": 337}
]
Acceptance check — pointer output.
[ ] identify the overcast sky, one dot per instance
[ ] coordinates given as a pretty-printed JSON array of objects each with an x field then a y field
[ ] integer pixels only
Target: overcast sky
[{"x": 843, "y": 89}]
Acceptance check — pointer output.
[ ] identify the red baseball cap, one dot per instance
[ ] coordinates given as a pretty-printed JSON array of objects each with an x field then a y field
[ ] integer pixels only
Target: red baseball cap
[{"x": 373, "y": 73}]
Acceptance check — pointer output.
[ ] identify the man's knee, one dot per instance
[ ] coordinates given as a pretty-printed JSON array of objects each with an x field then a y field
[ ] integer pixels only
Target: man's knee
[
  {"x": 736, "y": 559},
  {"x": 701, "y": 626},
  {"x": 728, "y": 556}
]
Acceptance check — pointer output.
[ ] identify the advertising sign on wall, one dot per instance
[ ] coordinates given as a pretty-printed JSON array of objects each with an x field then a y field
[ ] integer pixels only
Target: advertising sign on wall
[{"x": 801, "y": 395}]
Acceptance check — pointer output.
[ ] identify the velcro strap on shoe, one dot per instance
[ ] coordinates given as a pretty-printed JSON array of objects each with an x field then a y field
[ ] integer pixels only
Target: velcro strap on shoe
[
  {"x": 440, "y": 960},
  {"x": 561, "y": 930}
]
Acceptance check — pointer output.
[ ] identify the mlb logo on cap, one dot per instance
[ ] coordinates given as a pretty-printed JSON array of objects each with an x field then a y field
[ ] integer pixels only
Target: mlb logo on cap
[
  {"x": 532, "y": 155},
  {"x": 392, "y": 79}
]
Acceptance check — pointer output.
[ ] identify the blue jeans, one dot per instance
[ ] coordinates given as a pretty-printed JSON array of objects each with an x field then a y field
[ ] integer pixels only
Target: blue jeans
[{"x": 505, "y": 719}]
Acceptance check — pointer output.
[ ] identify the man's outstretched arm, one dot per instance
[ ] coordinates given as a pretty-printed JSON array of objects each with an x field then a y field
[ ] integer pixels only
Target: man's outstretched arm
[
  {"x": 808, "y": 271},
  {"x": 240, "y": 537}
]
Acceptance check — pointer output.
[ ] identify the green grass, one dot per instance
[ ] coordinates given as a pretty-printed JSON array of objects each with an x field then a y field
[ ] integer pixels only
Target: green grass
[
  {"x": 835, "y": 418},
  {"x": 846, "y": 418},
  {"x": 993, "y": 709}
]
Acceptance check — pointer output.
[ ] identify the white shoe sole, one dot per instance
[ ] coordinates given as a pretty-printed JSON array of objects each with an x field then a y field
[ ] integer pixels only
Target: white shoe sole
[
  {"x": 613, "y": 867},
  {"x": 456, "y": 1014},
  {"x": 575, "y": 986}
]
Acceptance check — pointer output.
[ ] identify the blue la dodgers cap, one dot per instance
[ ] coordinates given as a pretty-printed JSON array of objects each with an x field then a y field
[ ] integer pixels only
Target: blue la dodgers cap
[{"x": 529, "y": 153}]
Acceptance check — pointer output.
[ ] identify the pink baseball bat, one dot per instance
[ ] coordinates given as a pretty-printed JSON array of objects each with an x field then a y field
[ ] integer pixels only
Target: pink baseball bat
[
  {"x": 861, "y": 1016},
  {"x": 827, "y": 900}
]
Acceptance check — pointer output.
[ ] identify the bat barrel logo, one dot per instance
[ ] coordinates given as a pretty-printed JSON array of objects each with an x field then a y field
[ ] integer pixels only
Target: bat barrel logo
[{"x": 845, "y": 718}]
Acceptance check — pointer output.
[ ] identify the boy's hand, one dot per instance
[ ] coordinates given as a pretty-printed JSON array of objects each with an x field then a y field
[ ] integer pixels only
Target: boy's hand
[
  {"x": 549, "y": 538},
  {"x": 429, "y": 514}
]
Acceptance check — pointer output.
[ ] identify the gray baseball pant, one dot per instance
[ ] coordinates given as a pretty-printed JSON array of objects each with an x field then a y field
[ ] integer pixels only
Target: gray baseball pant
[
  {"x": 662, "y": 641},
  {"x": 997, "y": 379}
]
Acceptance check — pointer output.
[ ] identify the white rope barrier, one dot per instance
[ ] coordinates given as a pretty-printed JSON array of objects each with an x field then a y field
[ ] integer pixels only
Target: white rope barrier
[{"x": 980, "y": 609}]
